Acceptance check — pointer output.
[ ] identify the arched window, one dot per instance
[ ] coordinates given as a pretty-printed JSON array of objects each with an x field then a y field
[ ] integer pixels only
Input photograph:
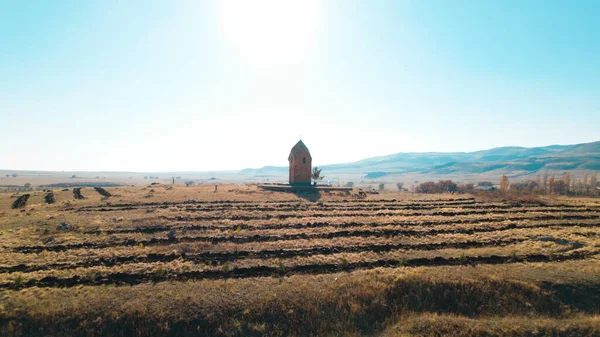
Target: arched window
[{"x": 303, "y": 160}]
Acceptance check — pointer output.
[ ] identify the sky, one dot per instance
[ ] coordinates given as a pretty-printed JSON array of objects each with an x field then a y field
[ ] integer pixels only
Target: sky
[{"x": 108, "y": 85}]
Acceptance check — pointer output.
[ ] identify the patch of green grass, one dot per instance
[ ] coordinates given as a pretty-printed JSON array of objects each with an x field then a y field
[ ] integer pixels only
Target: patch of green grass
[
  {"x": 345, "y": 263},
  {"x": 160, "y": 272},
  {"x": 18, "y": 281}
]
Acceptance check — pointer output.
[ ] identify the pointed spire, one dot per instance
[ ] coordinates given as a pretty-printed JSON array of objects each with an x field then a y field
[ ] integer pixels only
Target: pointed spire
[{"x": 299, "y": 147}]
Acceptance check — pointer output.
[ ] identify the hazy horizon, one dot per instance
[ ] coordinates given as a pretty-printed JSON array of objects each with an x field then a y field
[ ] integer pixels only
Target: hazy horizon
[
  {"x": 202, "y": 86},
  {"x": 258, "y": 167}
]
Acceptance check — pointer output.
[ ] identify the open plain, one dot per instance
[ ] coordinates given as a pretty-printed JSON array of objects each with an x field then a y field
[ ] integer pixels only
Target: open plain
[{"x": 188, "y": 261}]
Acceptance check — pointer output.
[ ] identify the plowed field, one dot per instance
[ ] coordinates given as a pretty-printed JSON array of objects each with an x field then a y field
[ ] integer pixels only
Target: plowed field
[{"x": 131, "y": 240}]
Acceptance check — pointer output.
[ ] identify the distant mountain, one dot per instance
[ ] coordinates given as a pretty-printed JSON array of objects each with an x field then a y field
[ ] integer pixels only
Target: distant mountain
[
  {"x": 462, "y": 166},
  {"x": 265, "y": 171},
  {"x": 584, "y": 149}
]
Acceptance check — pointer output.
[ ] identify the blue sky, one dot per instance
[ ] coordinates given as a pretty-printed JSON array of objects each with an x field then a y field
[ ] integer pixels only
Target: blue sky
[{"x": 206, "y": 85}]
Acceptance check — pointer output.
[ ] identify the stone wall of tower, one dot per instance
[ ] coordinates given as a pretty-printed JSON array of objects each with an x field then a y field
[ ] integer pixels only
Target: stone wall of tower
[{"x": 300, "y": 168}]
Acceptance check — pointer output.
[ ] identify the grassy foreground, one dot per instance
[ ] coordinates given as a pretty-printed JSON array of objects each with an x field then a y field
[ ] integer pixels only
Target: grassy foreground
[
  {"x": 551, "y": 299},
  {"x": 459, "y": 326},
  {"x": 166, "y": 260}
]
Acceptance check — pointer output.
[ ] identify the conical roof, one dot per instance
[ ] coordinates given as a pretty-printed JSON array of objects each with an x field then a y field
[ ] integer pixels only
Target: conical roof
[{"x": 298, "y": 148}]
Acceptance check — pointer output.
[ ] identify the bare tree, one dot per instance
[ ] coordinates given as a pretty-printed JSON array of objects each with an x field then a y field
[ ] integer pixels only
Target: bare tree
[
  {"x": 504, "y": 183},
  {"x": 567, "y": 180},
  {"x": 560, "y": 187},
  {"x": 551, "y": 183},
  {"x": 546, "y": 182},
  {"x": 316, "y": 175}
]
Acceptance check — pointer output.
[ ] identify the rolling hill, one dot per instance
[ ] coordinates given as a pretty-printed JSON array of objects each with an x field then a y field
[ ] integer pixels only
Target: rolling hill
[{"x": 516, "y": 162}]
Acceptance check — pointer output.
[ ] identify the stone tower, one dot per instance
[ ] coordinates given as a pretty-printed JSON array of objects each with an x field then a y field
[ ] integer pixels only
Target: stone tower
[{"x": 300, "y": 164}]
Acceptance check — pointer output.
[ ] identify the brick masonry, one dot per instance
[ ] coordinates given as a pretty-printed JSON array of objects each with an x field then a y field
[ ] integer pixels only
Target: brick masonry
[{"x": 300, "y": 164}]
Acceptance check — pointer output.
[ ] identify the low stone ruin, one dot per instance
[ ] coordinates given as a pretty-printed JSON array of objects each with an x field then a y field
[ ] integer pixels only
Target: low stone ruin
[
  {"x": 77, "y": 193},
  {"x": 21, "y": 201},
  {"x": 102, "y": 191},
  {"x": 49, "y": 198}
]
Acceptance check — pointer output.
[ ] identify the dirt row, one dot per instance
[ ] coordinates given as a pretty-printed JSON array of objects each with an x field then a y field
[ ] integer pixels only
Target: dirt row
[
  {"x": 216, "y": 258},
  {"x": 341, "y": 207},
  {"x": 330, "y": 206},
  {"x": 297, "y": 236},
  {"x": 338, "y": 208},
  {"x": 380, "y": 214},
  {"x": 281, "y": 271},
  {"x": 259, "y": 227},
  {"x": 295, "y": 207},
  {"x": 243, "y": 202}
]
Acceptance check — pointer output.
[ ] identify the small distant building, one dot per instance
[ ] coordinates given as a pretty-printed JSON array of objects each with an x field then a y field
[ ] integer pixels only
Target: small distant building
[{"x": 300, "y": 165}]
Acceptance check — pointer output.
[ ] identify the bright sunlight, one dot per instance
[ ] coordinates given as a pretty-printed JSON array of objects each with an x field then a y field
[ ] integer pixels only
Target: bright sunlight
[{"x": 267, "y": 33}]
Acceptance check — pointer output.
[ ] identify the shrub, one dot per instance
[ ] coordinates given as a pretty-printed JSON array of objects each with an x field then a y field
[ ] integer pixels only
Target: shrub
[
  {"x": 345, "y": 263},
  {"x": 442, "y": 186},
  {"x": 18, "y": 280},
  {"x": 465, "y": 188},
  {"x": 90, "y": 275},
  {"x": 160, "y": 272},
  {"x": 529, "y": 186},
  {"x": 281, "y": 266}
]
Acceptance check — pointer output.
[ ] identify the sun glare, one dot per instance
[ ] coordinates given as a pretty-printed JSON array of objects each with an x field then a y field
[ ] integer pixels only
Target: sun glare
[{"x": 268, "y": 33}]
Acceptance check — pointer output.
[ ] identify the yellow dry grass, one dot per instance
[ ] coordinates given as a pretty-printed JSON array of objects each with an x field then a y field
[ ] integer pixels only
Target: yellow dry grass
[{"x": 65, "y": 268}]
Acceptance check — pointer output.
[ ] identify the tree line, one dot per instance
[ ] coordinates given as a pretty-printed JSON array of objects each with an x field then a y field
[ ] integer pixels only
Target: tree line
[
  {"x": 545, "y": 184},
  {"x": 556, "y": 185}
]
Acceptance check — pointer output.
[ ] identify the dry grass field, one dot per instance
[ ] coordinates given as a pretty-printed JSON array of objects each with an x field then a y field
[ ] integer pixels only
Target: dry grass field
[{"x": 162, "y": 260}]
